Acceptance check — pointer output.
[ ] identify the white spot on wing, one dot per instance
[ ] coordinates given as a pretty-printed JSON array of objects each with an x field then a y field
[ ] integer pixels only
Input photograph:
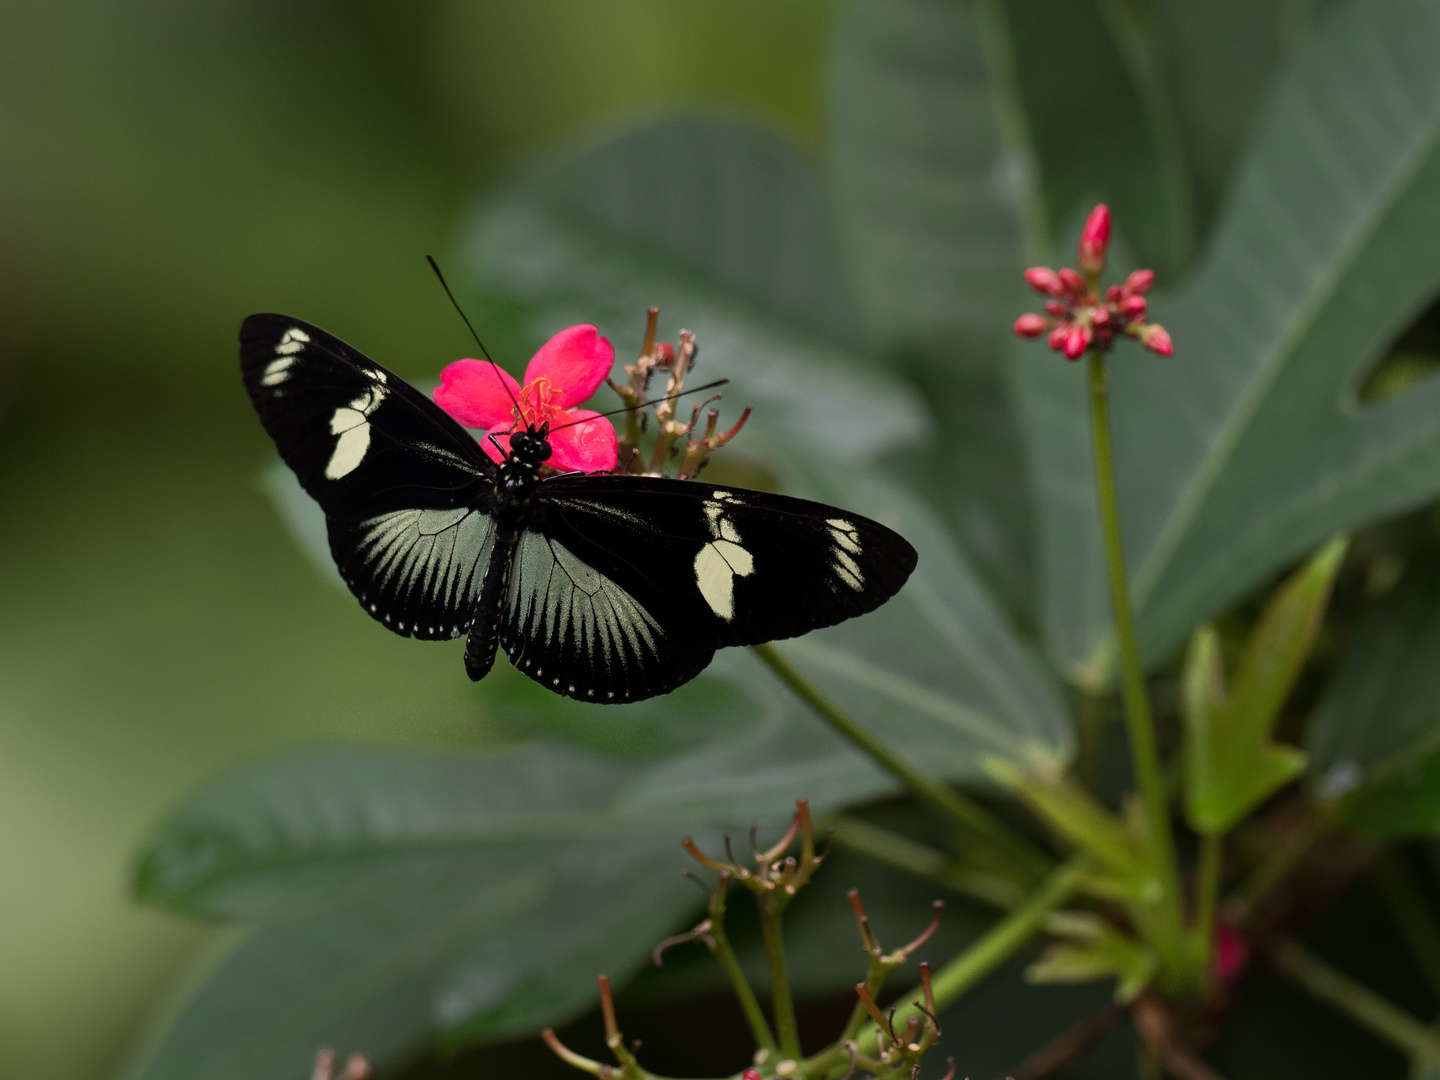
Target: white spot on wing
[
  {"x": 292, "y": 341},
  {"x": 277, "y": 371},
  {"x": 351, "y": 422},
  {"x": 717, "y": 566}
]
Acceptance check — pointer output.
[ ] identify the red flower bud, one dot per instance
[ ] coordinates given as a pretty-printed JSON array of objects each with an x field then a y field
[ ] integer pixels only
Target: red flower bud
[
  {"x": 1071, "y": 282},
  {"x": 1057, "y": 337},
  {"x": 1157, "y": 340},
  {"x": 1104, "y": 336},
  {"x": 1076, "y": 341},
  {"x": 1056, "y": 308},
  {"x": 1132, "y": 307},
  {"x": 1094, "y": 240},
  {"x": 1044, "y": 281},
  {"x": 1140, "y": 281},
  {"x": 750, "y": 1074},
  {"x": 1114, "y": 293},
  {"x": 664, "y": 352},
  {"x": 1099, "y": 316},
  {"x": 1030, "y": 326}
]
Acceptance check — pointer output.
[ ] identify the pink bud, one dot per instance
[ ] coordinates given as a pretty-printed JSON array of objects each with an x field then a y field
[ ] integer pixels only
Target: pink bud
[
  {"x": 1071, "y": 282},
  {"x": 1131, "y": 307},
  {"x": 1140, "y": 281},
  {"x": 1230, "y": 955},
  {"x": 1114, "y": 293},
  {"x": 1056, "y": 308},
  {"x": 1157, "y": 340},
  {"x": 1058, "y": 335},
  {"x": 1076, "y": 341},
  {"x": 1094, "y": 240},
  {"x": 750, "y": 1074},
  {"x": 1099, "y": 316},
  {"x": 1044, "y": 281},
  {"x": 1030, "y": 326},
  {"x": 664, "y": 352}
]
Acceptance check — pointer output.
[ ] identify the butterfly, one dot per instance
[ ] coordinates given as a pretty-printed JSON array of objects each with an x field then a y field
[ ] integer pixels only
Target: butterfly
[{"x": 604, "y": 588}]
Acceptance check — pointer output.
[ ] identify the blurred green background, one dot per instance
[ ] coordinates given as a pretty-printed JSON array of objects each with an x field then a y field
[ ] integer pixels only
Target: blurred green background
[{"x": 165, "y": 169}]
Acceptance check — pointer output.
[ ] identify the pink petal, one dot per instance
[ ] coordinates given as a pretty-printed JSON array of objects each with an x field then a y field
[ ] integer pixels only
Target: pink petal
[
  {"x": 587, "y": 447},
  {"x": 575, "y": 361},
  {"x": 470, "y": 392}
]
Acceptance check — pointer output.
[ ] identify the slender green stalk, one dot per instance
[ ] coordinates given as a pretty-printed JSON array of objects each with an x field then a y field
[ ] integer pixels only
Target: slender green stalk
[
  {"x": 785, "y": 1026},
  {"x": 1207, "y": 895},
  {"x": 1359, "y": 1003},
  {"x": 945, "y": 800},
  {"x": 1397, "y": 887},
  {"x": 744, "y": 994},
  {"x": 1138, "y": 719},
  {"x": 901, "y": 852}
]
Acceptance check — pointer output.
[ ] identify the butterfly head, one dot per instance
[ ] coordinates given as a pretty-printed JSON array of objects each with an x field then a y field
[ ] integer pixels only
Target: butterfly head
[{"x": 531, "y": 446}]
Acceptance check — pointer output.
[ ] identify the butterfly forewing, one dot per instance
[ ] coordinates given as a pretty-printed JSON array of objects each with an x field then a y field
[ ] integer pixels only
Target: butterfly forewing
[
  {"x": 405, "y": 489},
  {"x": 361, "y": 440}
]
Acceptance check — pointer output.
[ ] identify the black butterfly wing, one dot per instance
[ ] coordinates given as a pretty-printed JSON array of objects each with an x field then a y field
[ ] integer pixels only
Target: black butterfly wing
[
  {"x": 406, "y": 490},
  {"x": 691, "y": 567},
  {"x": 589, "y": 612}
]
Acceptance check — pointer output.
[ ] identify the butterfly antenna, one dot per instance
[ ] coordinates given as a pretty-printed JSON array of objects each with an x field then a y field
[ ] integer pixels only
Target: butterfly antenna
[
  {"x": 642, "y": 404},
  {"x": 483, "y": 351}
]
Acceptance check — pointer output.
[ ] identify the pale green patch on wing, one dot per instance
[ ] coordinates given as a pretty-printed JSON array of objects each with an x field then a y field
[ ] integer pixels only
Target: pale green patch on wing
[
  {"x": 431, "y": 556},
  {"x": 559, "y": 601}
]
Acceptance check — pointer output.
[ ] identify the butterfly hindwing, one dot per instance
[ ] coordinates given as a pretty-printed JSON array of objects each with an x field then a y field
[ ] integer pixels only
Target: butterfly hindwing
[
  {"x": 590, "y": 611},
  {"x": 406, "y": 490}
]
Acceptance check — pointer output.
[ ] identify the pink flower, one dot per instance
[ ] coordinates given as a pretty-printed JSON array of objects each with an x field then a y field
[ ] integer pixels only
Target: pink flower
[{"x": 567, "y": 370}]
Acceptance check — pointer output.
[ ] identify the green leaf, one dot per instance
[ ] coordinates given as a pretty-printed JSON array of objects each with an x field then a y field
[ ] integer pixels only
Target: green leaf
[
  {"x": 939, "y": 653},
  {"x": 1085, "y": 822},
  {"x": 1096, "y": 951},
  {"x": 722, "y": 227},
  {"x": 930, "y": 193},
  {"x": 1375, "y": 739},
  {"x": 1249, "y": 446},
  {"x": 1230, "y": 764}
]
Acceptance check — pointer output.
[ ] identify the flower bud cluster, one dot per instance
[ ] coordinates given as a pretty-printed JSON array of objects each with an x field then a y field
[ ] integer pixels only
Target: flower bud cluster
[{"x": 1076, "y": 318}]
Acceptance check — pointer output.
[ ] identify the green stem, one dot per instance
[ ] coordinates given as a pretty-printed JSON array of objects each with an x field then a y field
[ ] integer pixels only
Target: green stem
[
  {"x": 992, "y": 948},
  {"x": 749, "y": 1004},
  {"x": 944, "y": 800},
  {"x": 1138, "y": 720},
  {"x": 1207, "y": 895},
  {"x": 1359, "y": 1003},
  {"x": 785, "y": 1025},
  {"x": 901, "y": 852}
]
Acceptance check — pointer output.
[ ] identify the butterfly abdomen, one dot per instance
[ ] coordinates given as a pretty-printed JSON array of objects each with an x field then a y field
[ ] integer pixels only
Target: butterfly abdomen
[{"x": 484, "y": 636}]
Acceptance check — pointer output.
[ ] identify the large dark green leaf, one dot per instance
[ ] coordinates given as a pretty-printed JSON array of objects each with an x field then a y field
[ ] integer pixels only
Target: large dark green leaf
[
  {"x": 928, "y": 190},
  {"x": 1249, "y": 446},
  {"x": 722, "y": 226}
]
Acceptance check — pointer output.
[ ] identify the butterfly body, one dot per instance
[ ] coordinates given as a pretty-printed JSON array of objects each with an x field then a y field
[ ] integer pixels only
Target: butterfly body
[{"x": 605, "y": 588}]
